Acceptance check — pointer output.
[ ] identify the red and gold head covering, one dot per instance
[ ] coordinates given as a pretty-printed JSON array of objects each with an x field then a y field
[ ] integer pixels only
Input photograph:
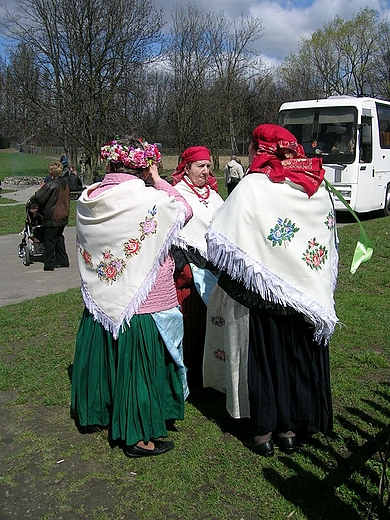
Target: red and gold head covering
[
  {"x": 192, "y": 154},
  {"x": 280, "y": 156}
]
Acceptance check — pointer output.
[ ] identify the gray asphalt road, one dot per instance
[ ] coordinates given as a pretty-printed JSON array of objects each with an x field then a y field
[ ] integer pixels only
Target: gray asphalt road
[{"x": 19, "y": 282}]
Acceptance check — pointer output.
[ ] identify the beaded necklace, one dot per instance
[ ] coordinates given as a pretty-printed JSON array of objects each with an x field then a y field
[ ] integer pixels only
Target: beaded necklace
[{"x": 203, "y": 194}]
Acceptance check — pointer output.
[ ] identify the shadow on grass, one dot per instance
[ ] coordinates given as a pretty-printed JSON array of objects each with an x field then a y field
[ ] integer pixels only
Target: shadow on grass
[
  {"x": 212, "y": 404},
  {"x": 334, "y": 476}
]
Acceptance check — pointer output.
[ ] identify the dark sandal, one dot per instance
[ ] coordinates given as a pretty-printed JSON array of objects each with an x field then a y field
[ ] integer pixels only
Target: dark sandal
[{"x": 160, "y": 447}]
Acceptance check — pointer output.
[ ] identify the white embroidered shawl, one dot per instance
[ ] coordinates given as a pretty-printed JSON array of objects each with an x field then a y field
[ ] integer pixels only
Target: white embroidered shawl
[
  {"x": 123, "y": 237},
  {"x": 282, "y": 245},
  {"x": 193, "y": 233}
]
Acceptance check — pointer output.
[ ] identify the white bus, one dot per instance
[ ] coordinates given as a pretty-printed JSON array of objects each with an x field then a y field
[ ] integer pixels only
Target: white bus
[{"x": 352, "y": 135}]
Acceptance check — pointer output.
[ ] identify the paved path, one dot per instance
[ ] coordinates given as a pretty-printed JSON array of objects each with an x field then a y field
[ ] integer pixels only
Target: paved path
[{"x": 19, "y": 282}]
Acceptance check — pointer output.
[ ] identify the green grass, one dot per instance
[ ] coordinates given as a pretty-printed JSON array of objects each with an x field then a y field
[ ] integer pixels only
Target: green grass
[
  {"x": 12, "y": 217},
  {"x": 210, "y": 475},
  {"x": 23, "y": 164}
]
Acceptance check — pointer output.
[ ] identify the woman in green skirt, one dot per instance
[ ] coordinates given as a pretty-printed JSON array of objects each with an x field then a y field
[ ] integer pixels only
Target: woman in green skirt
[{"x": 128, "y": 373}]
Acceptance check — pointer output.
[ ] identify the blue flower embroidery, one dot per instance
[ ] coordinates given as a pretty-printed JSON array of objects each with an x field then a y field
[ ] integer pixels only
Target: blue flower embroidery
[
  {"x": 283, "y": 232},
  {"x": 152, "y": 212}
]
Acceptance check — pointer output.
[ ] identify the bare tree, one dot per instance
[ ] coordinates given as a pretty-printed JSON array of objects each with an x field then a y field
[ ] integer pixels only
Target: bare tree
[
  {"x": 187, "y": 61},
  {"x": 86, "y": 50},
  {"x": 238, "y": 74},
  {"x": 21, "y": 118},
  {"x": 299, "y": 78},
  {"x": 213, "y": 68}
]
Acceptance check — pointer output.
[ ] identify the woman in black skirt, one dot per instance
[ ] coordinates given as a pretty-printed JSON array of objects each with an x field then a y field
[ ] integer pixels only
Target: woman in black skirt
[{"x": 279, "y": 258}]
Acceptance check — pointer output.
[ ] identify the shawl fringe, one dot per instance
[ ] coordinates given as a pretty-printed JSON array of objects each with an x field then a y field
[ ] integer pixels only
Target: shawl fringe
[
  {"x": 185, "y": 244},
  {"x": 228, "y": 257}
]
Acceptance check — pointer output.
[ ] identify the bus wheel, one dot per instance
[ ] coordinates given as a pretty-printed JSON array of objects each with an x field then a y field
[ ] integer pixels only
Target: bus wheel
[{"x": 386, "y": 209}]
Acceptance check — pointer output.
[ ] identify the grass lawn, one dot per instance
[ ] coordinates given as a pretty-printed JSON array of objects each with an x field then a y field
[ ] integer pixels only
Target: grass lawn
[
  {"x": 20, "y": 164},
  {"x": 54, "y": 471}
]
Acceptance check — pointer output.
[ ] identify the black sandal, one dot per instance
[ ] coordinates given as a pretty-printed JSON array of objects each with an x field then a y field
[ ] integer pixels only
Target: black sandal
[{"x": 160, "y": 447}]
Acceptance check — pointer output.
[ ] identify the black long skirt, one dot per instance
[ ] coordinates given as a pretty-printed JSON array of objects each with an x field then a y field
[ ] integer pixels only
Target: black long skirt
[{"x": 288, "y": 375}]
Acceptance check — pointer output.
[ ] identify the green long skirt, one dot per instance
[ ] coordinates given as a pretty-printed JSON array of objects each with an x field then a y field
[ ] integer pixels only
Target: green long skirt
[{"x": 130, "y": 384}]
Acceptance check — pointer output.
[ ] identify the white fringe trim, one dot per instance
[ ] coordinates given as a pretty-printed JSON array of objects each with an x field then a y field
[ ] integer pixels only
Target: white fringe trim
[
  {"x": 256, "y": 277},
  {"x": 185, "y": 244}
]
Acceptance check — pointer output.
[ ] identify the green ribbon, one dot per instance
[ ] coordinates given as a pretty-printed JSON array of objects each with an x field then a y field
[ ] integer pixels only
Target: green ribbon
[{"x": 364, "y": 249}]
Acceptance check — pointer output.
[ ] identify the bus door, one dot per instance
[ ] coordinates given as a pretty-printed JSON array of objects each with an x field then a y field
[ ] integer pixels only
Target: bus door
[{"x": 367, "y": 188}]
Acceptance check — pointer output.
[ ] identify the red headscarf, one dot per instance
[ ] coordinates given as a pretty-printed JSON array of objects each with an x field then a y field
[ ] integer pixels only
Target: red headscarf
[
  {"x": 279, "y": 156},
  {"x": 192, "y": 154}
]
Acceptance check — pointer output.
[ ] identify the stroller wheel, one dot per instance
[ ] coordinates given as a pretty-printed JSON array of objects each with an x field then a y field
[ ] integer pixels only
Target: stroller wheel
[
  {"x": 26, "y": 255},
  {"x": 21, "y": 250}
]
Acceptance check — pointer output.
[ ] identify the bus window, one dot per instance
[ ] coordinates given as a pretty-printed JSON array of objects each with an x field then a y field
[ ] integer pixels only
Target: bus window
[
  {"x": 301, "y": 124},
  {"x": 366, "y": 140},
  {"x": 329, "y": 132},
  {"x": 384, "y": 125}
]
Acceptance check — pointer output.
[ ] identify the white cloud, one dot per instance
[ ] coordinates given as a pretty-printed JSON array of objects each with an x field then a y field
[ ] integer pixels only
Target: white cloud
[{"x": 285, "y": 22}]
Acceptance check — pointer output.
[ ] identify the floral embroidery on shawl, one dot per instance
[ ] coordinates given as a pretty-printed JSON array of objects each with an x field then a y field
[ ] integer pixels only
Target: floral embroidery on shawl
[
  {"x": 218, "y": 321},
  {"x": 315, "y": 255},
  {"x": 330, "y": 221},
  {"x": 109, "y": 269},
  {"x": 132, "y": 247},
  {"x": 220, "y": 354},
  {"x": 149, "y": 225},
  {"x": 86, "y": 256},
  {"x": 283, "y": 232}
]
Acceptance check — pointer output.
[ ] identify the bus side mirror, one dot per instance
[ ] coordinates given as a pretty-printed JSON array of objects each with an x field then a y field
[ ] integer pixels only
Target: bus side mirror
[{"x": 365, "y": 132}]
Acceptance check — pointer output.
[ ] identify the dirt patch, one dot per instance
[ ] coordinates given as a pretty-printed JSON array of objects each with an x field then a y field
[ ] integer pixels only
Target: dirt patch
[{"x": 43, "y": 472}]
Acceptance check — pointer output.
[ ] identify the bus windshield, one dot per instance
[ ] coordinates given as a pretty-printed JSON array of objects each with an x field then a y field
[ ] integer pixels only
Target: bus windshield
[{"x": 327, "y": 132}]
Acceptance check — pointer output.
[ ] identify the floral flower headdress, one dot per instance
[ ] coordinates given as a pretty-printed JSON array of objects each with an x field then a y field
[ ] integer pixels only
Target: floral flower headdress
[{"x": 131, "y": 157}]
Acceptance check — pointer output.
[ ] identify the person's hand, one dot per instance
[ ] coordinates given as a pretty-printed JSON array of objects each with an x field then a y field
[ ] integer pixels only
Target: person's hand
[{"x": 152, "y": 176}]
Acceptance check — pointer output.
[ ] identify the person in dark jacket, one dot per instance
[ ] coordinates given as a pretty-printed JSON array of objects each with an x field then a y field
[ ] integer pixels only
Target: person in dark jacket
[
  {"x": 53, "y": 203},
  {"x": 74, "y": 181}
]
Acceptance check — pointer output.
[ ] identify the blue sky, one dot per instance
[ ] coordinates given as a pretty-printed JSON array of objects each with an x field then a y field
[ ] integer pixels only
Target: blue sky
[{"x": 284, "y": 22}]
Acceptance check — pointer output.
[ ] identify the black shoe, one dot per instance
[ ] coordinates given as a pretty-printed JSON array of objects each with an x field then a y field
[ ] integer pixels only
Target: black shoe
[
  {"x": 48, "y": 268},
  {"x": 265, "y": 449},
  {"x": 262, "y": 445},
  {"x": 61, "y": 265},
  {"x": 287, "y": 444},
  {"x": 160, "y": 447}
]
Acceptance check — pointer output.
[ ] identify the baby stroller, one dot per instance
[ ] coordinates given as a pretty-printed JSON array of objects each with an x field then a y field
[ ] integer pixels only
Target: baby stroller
[{"x": 32, "y": 246}]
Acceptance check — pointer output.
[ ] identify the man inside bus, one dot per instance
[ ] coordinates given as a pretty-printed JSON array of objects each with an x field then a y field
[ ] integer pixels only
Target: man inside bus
[{"x": 345, "y": 144}]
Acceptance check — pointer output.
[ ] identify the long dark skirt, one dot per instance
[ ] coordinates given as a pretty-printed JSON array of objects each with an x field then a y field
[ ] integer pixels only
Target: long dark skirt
[
  {"x": 130, "y": 384},
  {"x": 288, "y": 375},
  {"x": 194, "y": 319}
]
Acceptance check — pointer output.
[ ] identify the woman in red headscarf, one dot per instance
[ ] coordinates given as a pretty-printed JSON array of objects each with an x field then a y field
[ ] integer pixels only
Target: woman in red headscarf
[
  {"x": 195, "y": 277},
  {"x": 278, "y": 257}
]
